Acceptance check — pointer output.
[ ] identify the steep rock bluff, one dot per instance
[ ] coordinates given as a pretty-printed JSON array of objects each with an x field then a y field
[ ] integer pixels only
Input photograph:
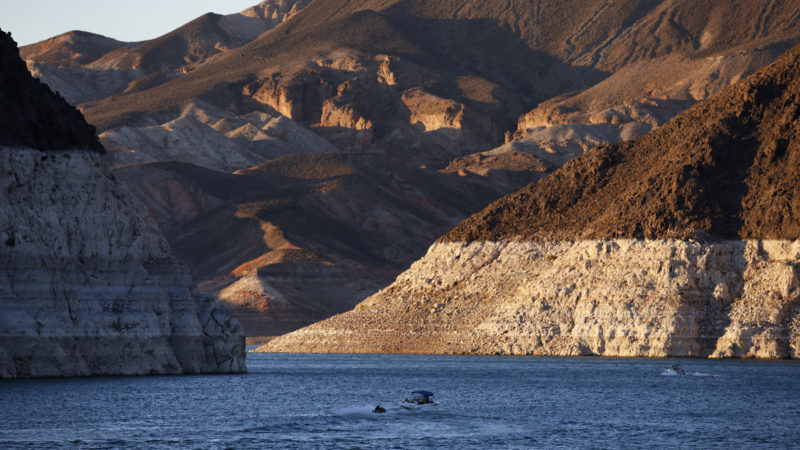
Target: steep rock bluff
[
  {"x": 88, "y": 285},
  {"x": 683, "y": 243}
]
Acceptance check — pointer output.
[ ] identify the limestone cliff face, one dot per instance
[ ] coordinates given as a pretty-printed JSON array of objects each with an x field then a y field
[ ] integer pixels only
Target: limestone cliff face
[
  {"x": 88, "y": 285},
  {"x": 651, "y": 298}
]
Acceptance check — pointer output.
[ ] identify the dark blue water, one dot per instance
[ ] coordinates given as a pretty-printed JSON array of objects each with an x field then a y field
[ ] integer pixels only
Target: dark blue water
[{"x": 325, "y": 401}]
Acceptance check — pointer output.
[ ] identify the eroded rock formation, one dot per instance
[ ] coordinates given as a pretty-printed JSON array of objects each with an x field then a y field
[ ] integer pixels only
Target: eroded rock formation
[{"x": 683, "y": 243}]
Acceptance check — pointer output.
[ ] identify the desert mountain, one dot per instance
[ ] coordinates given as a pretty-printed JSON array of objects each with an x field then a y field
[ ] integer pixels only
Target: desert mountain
[
  {"x": 456, "y": 79},
  {"x": 88, "y": 285},
  {"x": 493, "y": 95},
  {"x": 71, "y": 49},
  {"x": 85, "y": 66},
  {"x": 685, "y": 242},
  {"x": 298, "y": 238}
]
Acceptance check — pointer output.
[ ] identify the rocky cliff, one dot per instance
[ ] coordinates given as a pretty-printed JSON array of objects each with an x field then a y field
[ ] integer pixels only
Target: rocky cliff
[
  {"x": 683, "y": 243},
  {"x": 88, "y": 285}
]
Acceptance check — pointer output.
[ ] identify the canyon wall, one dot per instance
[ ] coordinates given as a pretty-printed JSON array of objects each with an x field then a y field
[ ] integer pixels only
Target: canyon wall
[{"x": 88, "y": 285}]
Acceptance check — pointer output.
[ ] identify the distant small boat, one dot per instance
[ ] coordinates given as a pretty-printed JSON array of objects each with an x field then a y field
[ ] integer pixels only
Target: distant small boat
[
  {"x": 419, "y": 400},
  {"x": 675, "y": 370}
]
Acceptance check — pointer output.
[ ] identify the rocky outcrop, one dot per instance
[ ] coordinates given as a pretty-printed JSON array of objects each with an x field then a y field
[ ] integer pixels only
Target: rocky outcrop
[
  {"x": 683, "y": 243},
  {"x": 88, "y": 286},
  {"x": 361, "y": 101}
]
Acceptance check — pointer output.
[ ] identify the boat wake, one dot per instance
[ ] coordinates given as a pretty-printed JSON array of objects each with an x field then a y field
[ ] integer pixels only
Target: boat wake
[
  {"x": 369, "y": 410},
  {"x": 354, "y": 410},
  {"x": 672, "y": 373}
]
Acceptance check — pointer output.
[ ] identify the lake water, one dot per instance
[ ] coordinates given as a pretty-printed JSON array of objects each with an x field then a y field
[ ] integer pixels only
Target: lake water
[{"x": 325, "y": 401}]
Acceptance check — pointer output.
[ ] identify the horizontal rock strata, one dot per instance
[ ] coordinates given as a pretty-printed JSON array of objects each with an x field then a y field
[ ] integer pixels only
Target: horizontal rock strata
[
  {"x": 625, "y": 297},
  {"x": 88, "y": 285}
]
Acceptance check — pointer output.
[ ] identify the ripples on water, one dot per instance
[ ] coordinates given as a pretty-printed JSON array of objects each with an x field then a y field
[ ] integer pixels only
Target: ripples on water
[{"x": 326, "y": 401}]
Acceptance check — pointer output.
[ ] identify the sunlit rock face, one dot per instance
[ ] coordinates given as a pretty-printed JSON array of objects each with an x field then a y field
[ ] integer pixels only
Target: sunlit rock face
[{"x": 646, "y": 298}]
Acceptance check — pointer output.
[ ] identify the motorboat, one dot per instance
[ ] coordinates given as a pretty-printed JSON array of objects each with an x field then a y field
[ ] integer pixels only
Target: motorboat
[
  {"x": 675, "y": 370},
  {"x": 419, "y": 400}
]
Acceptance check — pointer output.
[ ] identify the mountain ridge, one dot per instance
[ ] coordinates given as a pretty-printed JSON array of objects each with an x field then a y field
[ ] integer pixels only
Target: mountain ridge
[{"x": 724, "y": 141}]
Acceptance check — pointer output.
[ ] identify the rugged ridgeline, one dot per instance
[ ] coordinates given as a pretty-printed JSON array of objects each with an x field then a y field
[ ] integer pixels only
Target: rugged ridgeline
[
  {"x": 438, "y": 82},
  {"x": 685, "y": 242},
  {"x": 416, "y": 88},
  {"x": 88, "y": 285},
  {"x": 85, "y": 66}
]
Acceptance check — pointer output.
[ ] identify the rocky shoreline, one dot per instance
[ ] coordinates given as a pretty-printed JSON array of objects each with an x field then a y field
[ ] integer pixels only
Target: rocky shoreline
[{"x": 684, "y": 299}]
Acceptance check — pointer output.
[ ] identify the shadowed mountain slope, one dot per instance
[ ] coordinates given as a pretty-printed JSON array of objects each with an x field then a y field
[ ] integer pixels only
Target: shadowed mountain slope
[
  {"x": 32, "y": 115},
  {"x": 301, "y": 237},
  {"x": 726, "y": 169},
  {"x": 194, "y": 42}
]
